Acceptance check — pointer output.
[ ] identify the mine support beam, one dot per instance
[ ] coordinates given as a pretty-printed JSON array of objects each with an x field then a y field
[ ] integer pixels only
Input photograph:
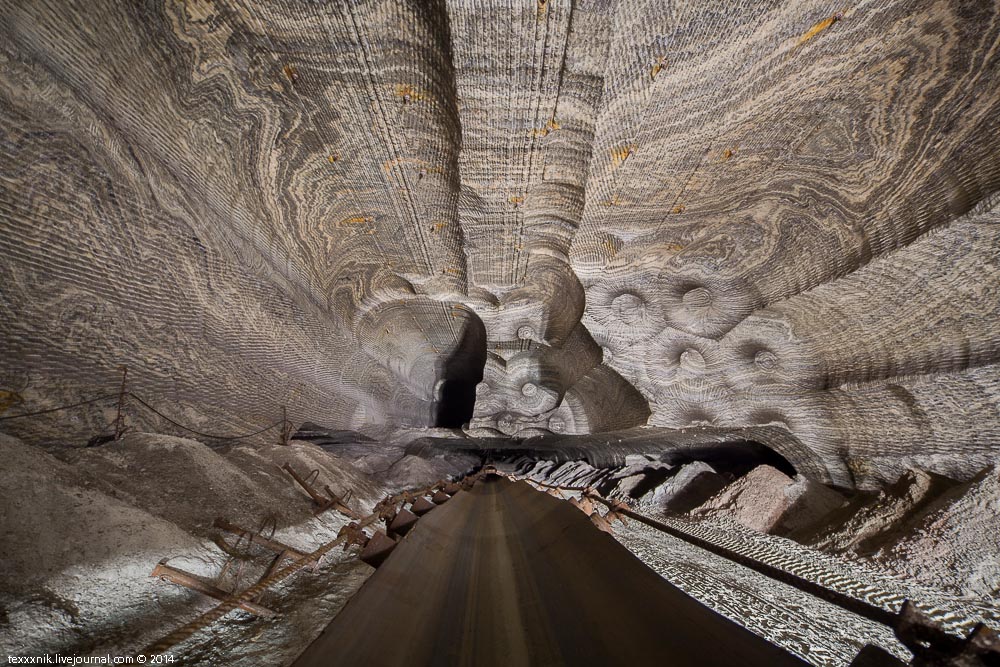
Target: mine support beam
[
  {"x": 193, "y": 582},
  {"x": 256, "y": 538},
  {"x": 316, "y": 497}
]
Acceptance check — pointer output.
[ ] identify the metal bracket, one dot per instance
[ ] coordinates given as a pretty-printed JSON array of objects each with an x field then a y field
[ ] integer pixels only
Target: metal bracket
[{"x": 188, "y": 580}]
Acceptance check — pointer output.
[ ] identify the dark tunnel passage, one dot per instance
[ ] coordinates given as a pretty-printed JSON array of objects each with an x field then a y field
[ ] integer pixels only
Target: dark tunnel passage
[
  {"x": 459, "y": 375},
  {"x": 736, "y": 456},
  {"x": 662, "y": 459}
]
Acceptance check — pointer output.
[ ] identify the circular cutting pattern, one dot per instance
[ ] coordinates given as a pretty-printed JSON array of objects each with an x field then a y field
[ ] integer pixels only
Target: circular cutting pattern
[
  {"x": 628, "y": 307},
  {"x": 766, "y": 360},
  {"x": 699, "y": 297},
  {"x": 692, "y": 360}
]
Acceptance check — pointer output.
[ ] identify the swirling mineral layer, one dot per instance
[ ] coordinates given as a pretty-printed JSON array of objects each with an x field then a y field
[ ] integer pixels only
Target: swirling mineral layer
[{"x": 522, "y": 217}]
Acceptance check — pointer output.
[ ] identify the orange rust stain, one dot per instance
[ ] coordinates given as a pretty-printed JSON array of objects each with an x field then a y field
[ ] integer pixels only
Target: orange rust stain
[
  {"x": 356, "y": 220},
  {"x": 658, "y": 67},
  {"x": 728, "y": 154},
  {"x": 291, "y": 73},
  {"x": 516, "y": 201},
  {"x": 675, "y": 247},
  {"x": 454, "y": 272},
  {"x": 332, "y": 159},
  {"x": 438, "y": 226},
  {"x": 819, "y": 27},
  {"x": 678, "y": 209},
  {"x": 409, "y": 93},
  {"x": 622, "y": 153},
  {"x": 551, "y": 126},
  {"x": 9, "y": 399}
]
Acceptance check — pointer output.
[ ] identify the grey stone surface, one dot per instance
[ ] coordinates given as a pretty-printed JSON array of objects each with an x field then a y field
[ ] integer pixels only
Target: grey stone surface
[
  {"x": 822, "y": 634},
  {"x": 757, "y": 500},
  {"x": 811, "y": 503},
  {"x": 955, "y": 545},
  {"x": 662, "y": 213},
  {"x": 81, "y": 536},
  {"x": 873, "y": 521},
  {"x": 688, "y": 488},
  {"x": 767, "y": 500},
  {"x": 611, "y": 229}
]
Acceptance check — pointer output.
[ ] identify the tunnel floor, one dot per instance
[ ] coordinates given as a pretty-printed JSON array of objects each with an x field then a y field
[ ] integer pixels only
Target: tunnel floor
[{"x": 506, "y": 575}]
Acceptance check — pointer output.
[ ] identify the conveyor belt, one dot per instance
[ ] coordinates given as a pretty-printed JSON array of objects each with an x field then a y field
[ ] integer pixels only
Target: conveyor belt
[{"x": 506, "y": 575}]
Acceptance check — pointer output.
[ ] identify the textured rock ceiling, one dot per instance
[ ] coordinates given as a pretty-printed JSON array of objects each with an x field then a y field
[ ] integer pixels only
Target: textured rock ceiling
[{"x": 665, "y": 213}]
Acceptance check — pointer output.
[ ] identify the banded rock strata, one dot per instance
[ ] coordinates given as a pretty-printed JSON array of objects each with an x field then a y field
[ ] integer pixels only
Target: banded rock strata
[{"x": 600, "y": 214}]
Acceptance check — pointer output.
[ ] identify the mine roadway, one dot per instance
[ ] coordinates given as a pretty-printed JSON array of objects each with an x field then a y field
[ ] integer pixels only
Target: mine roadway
[{"x": 503, "y": 574}]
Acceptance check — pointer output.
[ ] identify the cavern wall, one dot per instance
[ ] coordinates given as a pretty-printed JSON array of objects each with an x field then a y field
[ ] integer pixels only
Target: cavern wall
[{"x": 604, "y": 213}]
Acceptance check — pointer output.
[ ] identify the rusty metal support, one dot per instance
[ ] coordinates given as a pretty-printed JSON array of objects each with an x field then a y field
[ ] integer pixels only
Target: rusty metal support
[
  {"x": 402, "y": 522},
  {"x": 377, "y": 549},
  {"x": 230, "y": 551},
  {"x": 440, "y": 498},
  {"x": 338, "y": 503},
  {"x": 316, "y": 497},
  {"x": 421, "y": 506},
  {"x": 275, "y": 564},
  {"x": 188, "y": 580},
  {"x": 600, "y": 522},
  {"x": 386, "y": 508},
  {"x": 614, "y": 515},
  {"x": 322, "y": 502},
  {"x": 353, "y": 533},
  {"x": 584, "y": 504},
  {"x": 184, "y": 632},
  {"x": 256, "y": 538}
]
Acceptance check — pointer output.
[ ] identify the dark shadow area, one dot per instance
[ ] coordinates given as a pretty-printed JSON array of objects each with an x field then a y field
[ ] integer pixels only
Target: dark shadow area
[
  {"x": 458, "y": 398},
  {"x": 776, "y": 460},
  {"x": 461, "y": 372},
  {"x": 320, "y": 435},
  {"x": 652, "y": 479},
  {"x": 736, "y": 459}
]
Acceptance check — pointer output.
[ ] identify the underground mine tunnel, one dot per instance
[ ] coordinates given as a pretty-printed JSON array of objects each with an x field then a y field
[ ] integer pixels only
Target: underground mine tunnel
[{"x": 500, "y": 332}]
